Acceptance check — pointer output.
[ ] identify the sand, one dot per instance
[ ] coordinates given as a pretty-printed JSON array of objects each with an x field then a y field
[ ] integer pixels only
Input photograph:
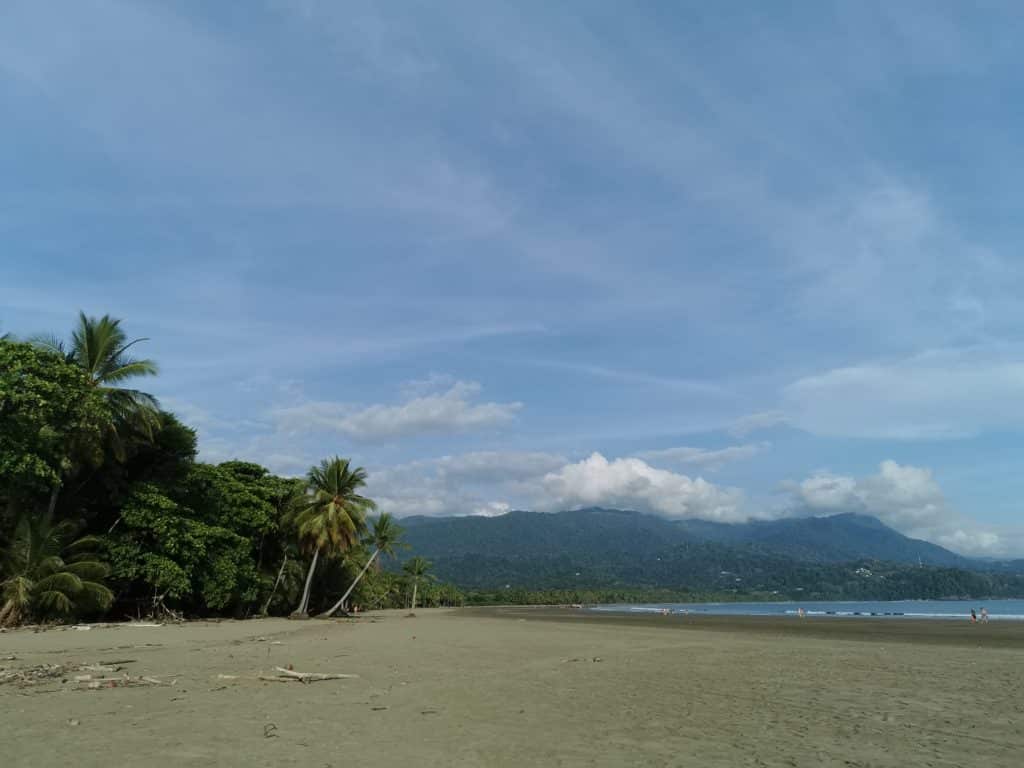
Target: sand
[{"x": 523, "y": 687}]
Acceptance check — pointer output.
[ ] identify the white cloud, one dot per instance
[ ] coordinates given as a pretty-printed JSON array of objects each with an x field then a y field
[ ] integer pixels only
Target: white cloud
[
  {"x": 496, "y": 466},
  {"x": 492, "y": 482},
  {"x": 632, "y": 483},
  {"x": 703, "y": 457},
  {"x": 904, "y": 497},
  {"x": 476, "y": 483},
  {"x": 756, "y": 422},
  {"x": 452, "y": 410},
  {"x": 939, "y": 394}
]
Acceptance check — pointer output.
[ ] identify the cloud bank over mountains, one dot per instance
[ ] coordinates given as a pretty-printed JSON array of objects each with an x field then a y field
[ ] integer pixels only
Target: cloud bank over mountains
[
  {"x": 676, "y": 482},
  {"x": 906, "y": 498}
]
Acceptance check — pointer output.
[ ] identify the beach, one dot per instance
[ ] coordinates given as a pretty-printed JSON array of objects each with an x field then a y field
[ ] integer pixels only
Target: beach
[{"x": 523, "y": 686}]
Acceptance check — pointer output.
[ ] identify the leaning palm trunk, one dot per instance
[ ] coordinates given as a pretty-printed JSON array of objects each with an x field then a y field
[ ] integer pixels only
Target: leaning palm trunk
[
  {"x": 328, "y": 613},
  {"x": 304, "y": 604},
  {"x": 277, "y": 583},
  {"x": 54, "y": 492},
  {"x": 415, "y": 586}
]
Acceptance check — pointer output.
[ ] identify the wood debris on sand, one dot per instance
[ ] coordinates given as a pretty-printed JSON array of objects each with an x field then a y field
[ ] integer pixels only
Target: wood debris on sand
[
  {"x": 84, "y": 676},
  {"x": 290, "y": 675}
]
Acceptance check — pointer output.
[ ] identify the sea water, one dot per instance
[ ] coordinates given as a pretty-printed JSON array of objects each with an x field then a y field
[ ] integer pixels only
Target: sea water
[{"x": 909, "y": 609}]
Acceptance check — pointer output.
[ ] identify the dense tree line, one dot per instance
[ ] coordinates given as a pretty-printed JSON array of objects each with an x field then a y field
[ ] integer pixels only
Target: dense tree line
[
  {"x": 710, "y": 569},
  {"x": 104, "y": 508}
]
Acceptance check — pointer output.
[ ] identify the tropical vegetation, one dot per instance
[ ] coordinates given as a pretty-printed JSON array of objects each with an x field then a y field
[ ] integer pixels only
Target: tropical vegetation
[{"x": 105, "y": 508}]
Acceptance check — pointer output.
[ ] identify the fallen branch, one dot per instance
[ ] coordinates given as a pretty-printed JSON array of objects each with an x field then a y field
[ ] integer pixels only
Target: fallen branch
[{"x": 309, "y": 677}]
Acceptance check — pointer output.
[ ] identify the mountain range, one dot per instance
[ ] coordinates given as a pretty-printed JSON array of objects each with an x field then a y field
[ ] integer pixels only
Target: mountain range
[{"x": 598, "y": 548}]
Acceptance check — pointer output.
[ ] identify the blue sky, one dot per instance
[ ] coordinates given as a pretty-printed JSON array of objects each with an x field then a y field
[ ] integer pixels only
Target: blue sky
[{"x": 723, "y": 261}]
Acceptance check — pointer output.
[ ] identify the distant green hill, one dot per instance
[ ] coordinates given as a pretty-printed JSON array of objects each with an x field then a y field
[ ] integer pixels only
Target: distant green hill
[
  {"x": 851, "y": 556},
  {"x": 583, "y": 532},
  {"x": 834, "y": 539}
]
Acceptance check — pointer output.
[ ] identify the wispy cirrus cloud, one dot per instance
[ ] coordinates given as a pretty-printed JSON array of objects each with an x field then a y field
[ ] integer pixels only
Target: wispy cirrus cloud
[
  {"x": 941, "y": 394},
  {"x": 756, "y": 422},
  {"x": 706, "y": 458},
  {"x": 450, "y": 411}
]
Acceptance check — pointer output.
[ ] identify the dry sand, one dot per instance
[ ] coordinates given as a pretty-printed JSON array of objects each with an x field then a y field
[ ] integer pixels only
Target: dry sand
[{"x": 523, "y": 687}]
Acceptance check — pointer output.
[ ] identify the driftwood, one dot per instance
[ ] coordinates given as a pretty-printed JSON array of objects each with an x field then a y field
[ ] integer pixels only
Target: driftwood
[
  {"x": 95, "y": 676},
  {"x": 127, "y": 681},
  {"x": 288, "y": 675}
]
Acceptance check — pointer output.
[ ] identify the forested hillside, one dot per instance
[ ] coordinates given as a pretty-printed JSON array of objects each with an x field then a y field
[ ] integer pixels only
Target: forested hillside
[{"x": 838, "y": 557}]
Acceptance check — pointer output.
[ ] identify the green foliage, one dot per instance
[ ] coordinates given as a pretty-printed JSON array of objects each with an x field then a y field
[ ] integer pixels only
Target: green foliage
[
  {"x": 49, "y": 574},
  {"x": 100, "y": 348},
  {"x": 332, "y": 515},
  {"x": 385, "y": 535},
  {"x": 50, "y": 421},
  {"x": 186, "y": 554}
]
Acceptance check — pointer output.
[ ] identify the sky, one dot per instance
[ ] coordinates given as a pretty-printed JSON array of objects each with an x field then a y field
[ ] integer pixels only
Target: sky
[{"x": 716, "y": 260}]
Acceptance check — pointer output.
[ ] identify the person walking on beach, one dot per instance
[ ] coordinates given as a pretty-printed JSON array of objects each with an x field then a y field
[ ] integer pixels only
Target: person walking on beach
[
  {"x": 984, "y": 615},
  {"x": 974, "y": 617}
]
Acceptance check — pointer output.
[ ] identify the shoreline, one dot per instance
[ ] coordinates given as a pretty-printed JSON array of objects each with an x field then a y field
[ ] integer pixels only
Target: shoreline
[{"x": 995, "y": 634}]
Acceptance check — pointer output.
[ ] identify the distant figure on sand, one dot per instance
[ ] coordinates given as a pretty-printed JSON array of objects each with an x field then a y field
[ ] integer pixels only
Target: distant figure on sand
[
  {"x": 974, "y": 617},
  {"x": 801, "y": 612},
  {"x": 984, "y": 615}
]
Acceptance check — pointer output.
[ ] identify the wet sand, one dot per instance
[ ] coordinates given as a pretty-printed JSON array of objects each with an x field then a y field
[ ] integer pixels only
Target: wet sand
[{"x": 527, "y": 686}]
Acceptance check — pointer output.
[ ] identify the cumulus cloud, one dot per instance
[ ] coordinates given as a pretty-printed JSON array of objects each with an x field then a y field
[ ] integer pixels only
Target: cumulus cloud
[
  {"x": 940, "y": 394},
  {"x": 904, "y": 497},
  {"x": 710, "y": 459},
  {"x": 451, "y": 410},
  {"x": 492, "y": 482},
  {"x": 634, "y": 484}
]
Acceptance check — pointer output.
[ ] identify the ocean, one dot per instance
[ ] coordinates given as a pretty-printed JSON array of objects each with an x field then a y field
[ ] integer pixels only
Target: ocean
[{"x": 998, "y": 610}]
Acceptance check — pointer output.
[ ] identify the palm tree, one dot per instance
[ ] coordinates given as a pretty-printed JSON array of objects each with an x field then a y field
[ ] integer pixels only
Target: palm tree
[
  {"x": 48, "y": 573},
  {"x": 385, "y": 537},
  {"x": 332, "y": 515},
  {"x": 100, "y": 347},
  {"x": 416, "y": 569}
]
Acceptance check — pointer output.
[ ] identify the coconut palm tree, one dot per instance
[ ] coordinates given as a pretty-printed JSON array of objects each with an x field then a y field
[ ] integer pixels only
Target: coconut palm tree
[
  {"x": 331, "y": 516},
  {"x": 385, "y": 537},
  {"x": 416, "y": 568},
  {"x": 49, "y": 574},
  {"x": 100, "y": 347}
]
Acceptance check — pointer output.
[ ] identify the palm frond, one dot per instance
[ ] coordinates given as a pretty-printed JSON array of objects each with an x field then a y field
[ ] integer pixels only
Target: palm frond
[
  {"x": 119, "y": 370},
  {"x": 50, "y": 343},
  {"x": 54, "y": 602},
  {"x": 49, "y": 565},
  {"x": 63, "y": 581},
  {"x": 88, "y": 570},
  {"x": 17, "y": 590},
  {"x": 94, "y": 597}
]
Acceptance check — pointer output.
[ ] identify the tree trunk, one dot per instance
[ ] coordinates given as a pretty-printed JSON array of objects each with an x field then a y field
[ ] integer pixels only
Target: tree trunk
[
  {"x": 53, "y": 501},
  {"x": 327, "y": 614},
  {"x": 415, "y": 586},
  {"x": 304, "y": 604},
  {"x": 277, "y": 583}
]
